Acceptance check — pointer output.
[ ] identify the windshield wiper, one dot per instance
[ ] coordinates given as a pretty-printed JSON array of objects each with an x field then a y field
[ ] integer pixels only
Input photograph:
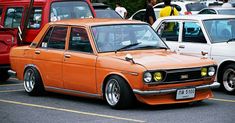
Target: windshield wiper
[
  {"x": 231, "y": 39},
  {"x": 128, "y": 46}
]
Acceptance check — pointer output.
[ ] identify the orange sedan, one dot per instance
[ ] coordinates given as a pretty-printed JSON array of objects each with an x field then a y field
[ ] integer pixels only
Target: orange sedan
[{"x": 116, "y": 60}]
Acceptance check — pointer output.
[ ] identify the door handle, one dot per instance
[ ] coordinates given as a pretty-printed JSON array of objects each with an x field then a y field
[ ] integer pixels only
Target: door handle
[
  {"x": 182, "y": 46},
  {"x": 37, "y": 51},
  {"x": 67, "y": 55}
]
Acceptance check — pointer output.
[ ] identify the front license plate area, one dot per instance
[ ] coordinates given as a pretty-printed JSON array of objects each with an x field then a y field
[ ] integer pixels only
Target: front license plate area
[{"x": 185, "y": 93}]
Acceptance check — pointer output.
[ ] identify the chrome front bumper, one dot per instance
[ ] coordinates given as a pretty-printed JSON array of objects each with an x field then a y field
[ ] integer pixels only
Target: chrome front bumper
[{"x": 172, "y": 90}]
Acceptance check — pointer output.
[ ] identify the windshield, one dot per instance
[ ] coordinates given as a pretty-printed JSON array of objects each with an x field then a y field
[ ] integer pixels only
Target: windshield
[
  {"x": 107, "y": 14},
  {"x": 109, "y": 38},
  {"x": 220, "y": 30},
  {"x": 227, "y": 12},
  {"x": 69, "y": 10},
  {"x": 195, "y": 6}
]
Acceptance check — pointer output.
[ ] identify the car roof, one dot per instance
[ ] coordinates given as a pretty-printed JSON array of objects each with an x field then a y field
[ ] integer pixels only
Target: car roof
[
  {"x": 94, "y": 22},
  {"x": 198, "y": 17}
]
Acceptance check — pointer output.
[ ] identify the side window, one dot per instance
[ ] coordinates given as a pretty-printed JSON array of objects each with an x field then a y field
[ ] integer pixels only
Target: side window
[
  {"x": 0, "y": 15},
  {"x": 79, "y": 40},
  {"x": 203, "y": 12},
  {"x": 55, "y": 38},
  {"x": 192, "y": 32},
  {"x": 13, "y": 17},
  {"x": 139, "y": 16},
  {"x": 169, "y": 31},
  {"x": 35, "y": 18}
]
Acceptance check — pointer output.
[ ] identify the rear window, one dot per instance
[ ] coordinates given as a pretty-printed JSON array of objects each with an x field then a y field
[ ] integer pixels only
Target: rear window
[{"x": 195, "y": 6}]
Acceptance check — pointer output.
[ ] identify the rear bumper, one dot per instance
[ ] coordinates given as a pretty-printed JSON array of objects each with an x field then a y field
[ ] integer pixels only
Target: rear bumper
[{"x": 172, "y": 90}]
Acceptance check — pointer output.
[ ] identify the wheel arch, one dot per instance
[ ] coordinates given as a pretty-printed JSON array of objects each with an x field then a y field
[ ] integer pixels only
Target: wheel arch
[
  {"x": 34, "y": 66},
  {"x": 222, "y": 66}
]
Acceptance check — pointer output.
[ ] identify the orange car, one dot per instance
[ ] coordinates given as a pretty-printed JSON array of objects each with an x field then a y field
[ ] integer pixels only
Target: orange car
[{"x": 116, "y": 60}]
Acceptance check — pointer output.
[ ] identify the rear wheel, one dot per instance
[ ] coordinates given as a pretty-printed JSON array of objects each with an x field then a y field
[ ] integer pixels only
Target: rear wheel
[
  {"x": 118, "y": 93},
  {"x": 4, "y": 75},
  {"x": 228, "y": 79},
  {"x": 32, "y": 82}
]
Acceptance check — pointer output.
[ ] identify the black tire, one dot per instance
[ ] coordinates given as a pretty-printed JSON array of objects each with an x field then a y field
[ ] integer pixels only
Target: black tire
[
  {"x": 228, "y": 79},
  {"x": 4, "y": 75},
  {"x": 126, "y": 96},
  {"x": 32, "y": 82}
]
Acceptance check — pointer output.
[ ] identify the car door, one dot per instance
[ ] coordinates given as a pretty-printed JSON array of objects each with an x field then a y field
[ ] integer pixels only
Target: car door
[
  {"x": 193, "y": 40},
  {"x": 79, "y": 63},
  {"x": 169, "y": 31},
  {"x": 49, "y": 55}
]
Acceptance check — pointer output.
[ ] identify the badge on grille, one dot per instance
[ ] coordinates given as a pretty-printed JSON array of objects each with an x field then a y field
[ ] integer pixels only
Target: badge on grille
[{"x": 184, "y": 76}]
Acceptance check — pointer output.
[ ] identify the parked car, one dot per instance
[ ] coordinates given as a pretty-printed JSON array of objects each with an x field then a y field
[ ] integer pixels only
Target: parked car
[
  {"x": 212, "y": 3},
  {"x": 140, "y": 14},
  {"x": 213, "y": 35},
  {"x": 184, "y": 7},
  {"x": 107, "y": 13},
  {"x": 219, "y": 10},
  {"x": 117, "y": 60}
]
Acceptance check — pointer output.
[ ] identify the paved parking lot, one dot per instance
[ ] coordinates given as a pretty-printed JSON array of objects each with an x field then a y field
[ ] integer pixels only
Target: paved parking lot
[{"x": 17, "y": 106}]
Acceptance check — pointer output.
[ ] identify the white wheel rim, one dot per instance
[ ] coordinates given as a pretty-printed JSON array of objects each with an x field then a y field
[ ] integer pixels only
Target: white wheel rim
[
  {"x": 229, "y": 79},
  {"x": 112, "y": 92},
  {"x": 29, "y": 80}
]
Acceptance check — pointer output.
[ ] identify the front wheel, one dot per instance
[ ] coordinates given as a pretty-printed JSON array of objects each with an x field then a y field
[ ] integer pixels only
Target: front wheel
[
  {"x": 228, "y": 79},
  {"x": 4, "y": 75},
  {"x": 32, "y": 82},
  {"x": 118, "y": 93}
]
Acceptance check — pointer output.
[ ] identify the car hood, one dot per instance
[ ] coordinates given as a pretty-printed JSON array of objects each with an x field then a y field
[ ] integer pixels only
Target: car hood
[
  {"x": 162, "y": 59},
  {"x": 223, "y": 49}
]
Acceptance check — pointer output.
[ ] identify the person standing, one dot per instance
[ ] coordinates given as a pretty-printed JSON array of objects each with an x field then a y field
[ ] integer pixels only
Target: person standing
[
  {"x": 150, "y": 15},
  {"x": 168, "y": 10},
  {"x": 226, "y": 4},
  {"x": 120, "y": 10}
]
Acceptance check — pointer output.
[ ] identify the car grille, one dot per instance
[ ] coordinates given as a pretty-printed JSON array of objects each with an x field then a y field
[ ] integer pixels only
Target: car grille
[{"x": 183, "y": 75}]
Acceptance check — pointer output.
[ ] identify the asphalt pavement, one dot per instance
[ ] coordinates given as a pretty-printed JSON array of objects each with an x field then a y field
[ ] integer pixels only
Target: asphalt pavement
[{"x": 16, "y": 106}]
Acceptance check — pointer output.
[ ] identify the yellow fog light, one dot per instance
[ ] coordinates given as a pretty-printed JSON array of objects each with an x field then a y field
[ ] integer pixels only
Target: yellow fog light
[
  {"x": 203, "y": 72},
  {"x": 157, "y": 76}
]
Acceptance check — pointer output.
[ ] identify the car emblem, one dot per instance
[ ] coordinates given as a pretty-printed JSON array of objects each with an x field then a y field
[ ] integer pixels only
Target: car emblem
[{"x": 184, "y": 76}]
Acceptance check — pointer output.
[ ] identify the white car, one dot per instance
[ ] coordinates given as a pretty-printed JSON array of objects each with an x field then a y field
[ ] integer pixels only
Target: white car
[
  {"x": 184, "y": 7},
  {"x": 140, "y": 14},
  {"x": 210, "y": 35},
  {"x": 218, "y": 10}
]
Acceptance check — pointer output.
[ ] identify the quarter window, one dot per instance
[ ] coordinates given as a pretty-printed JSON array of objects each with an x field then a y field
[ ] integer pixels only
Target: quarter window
[
  {"x": 13, "y": 17},
  {"x": 79, "y": 40},
  {"x": 35, "y": 18},
  {"x": 192, "y": 32},
  {"x": 55, "y": 38},
  {"x": 169, "y": 31}
]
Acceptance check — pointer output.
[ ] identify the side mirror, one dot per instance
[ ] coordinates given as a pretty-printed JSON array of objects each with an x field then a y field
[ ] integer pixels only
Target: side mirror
[{"x": 19, "y": 33}]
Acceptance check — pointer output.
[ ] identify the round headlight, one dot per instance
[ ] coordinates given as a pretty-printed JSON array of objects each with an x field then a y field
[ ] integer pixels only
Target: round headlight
[
  {"x": 211, "y": 71},
  {"x": 157, "y": 76},
  {"x": 147, "y": 77},
  {"x": 203, "y": 72}
]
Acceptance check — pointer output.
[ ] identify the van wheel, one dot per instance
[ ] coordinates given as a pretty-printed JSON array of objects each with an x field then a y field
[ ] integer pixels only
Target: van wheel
[
  {"x": 228, "y": 79},
  {"x": 118, "y": 93},
  {"x": 32, "y": 82},
  {"x": 4, "y": 75}
]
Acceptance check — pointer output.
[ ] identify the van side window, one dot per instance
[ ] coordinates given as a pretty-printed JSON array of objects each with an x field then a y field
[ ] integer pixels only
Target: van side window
[
  {"x": 55, "y": 38},
  {"x": 79, "y": 40},
  {"x": 35, "y": 18},
  {"x": 13, "y": 17}
]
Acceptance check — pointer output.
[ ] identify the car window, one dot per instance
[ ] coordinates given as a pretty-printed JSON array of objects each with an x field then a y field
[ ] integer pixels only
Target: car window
[
  {"x": 227, "y": 12},
  {"x": 0, "y": 15},
  {"x": 192, "y": 32},
  {"x": 79, "y": 40},
  {"x": 35, "y": 18},
  {"x": 13, "y": 17},
  {"x": 55, "y": 38},
  {"x": 139, "y": 16},
  {"x": 207, "y": 11},
  {"x": 195, "y": 6},
  {"x": 169, "y": 31}
]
